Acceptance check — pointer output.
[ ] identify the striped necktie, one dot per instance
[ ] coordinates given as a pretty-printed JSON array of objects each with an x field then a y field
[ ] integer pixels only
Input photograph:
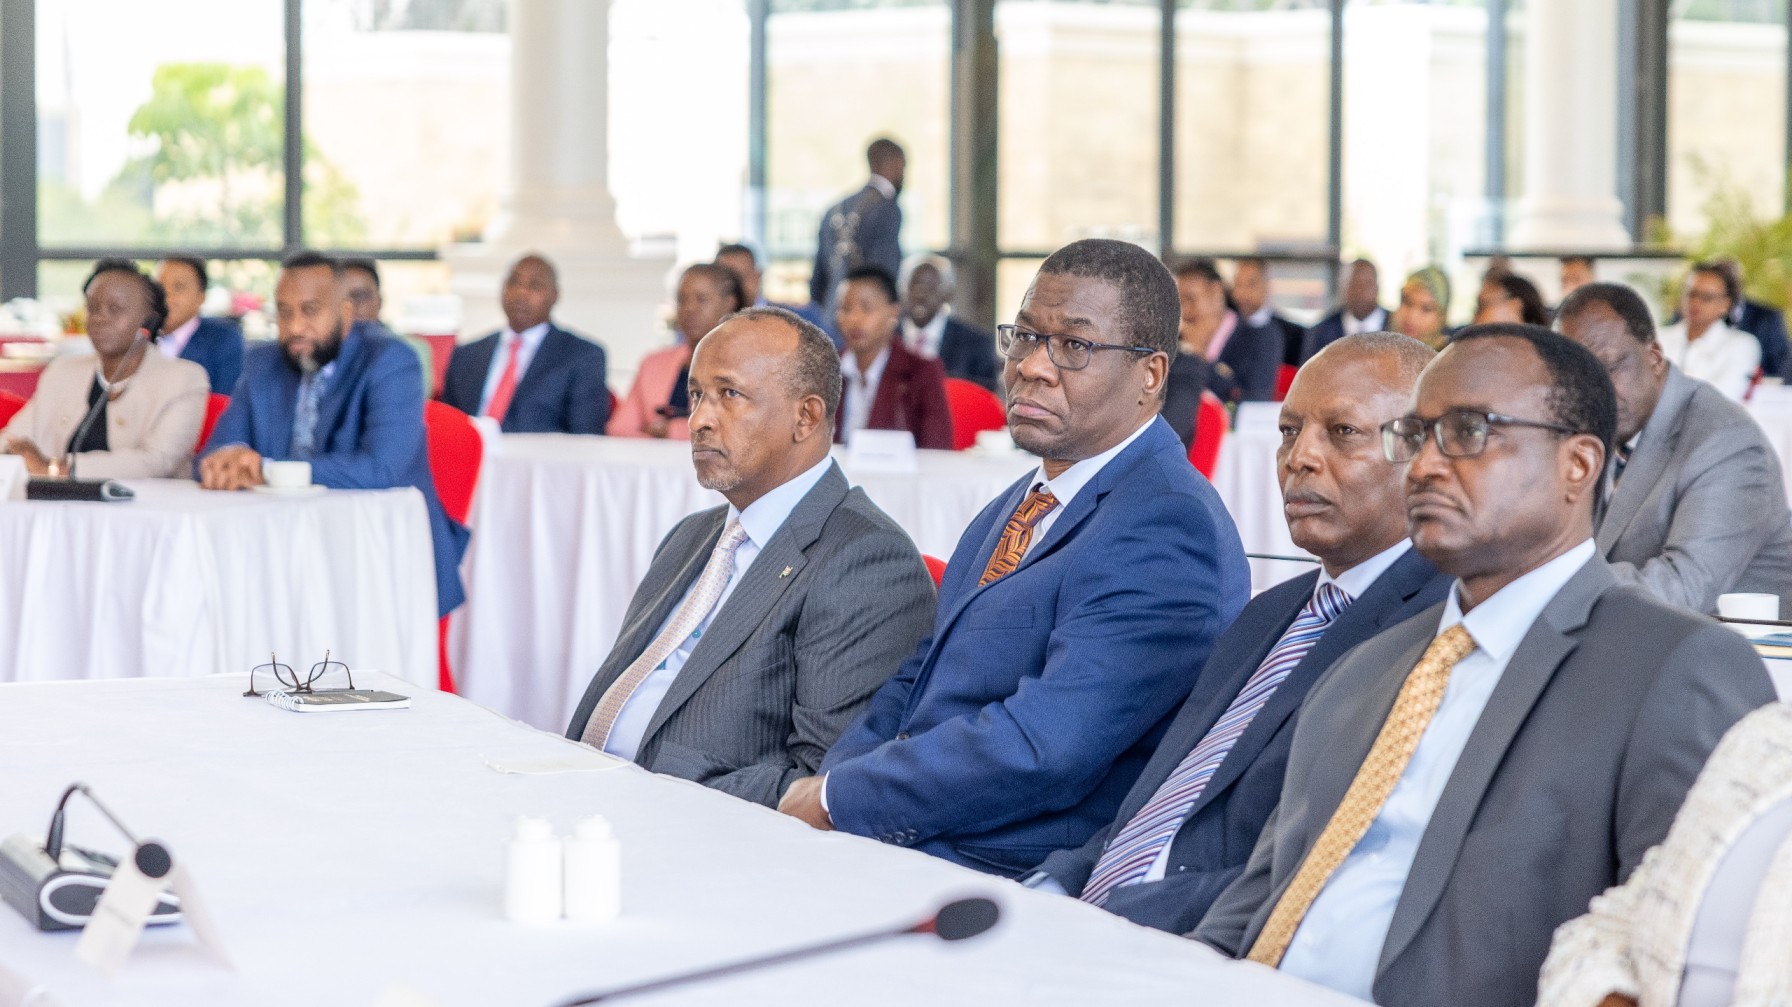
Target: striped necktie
[
  {"x": 1128, "y": 858},
  {"x": 1017, "y": 535}
]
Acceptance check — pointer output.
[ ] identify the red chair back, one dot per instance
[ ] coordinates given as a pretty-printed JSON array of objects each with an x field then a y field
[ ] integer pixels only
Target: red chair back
[
  {"x": 1285, "y": 380},
  {"x": 455, "y": 454},
  {"x": 214, "y": 408},
  {"x": 936, "y": 567},
  {"x": 10, "y": 405},
  {"x": 1211, "y": 421},
  {"x": 974, "y": 409}
]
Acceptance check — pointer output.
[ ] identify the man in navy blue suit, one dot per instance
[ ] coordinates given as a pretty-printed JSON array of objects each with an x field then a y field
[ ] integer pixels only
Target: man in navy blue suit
[
  {"x": 927, "y": 283},
  {"x": 533, "y": 377},
  {"x": 1358, "y": 311},
  {"x": 1072, "y": 609},
  {"x": 1191, "y": 820},
  {"x": 862, "y": 229},
  {"x": 215, "y": 344},
  {"x": 349, "y": 400}
]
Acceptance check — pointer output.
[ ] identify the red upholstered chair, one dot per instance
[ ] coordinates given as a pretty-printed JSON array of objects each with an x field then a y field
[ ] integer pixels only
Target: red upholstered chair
[
  {"x": 455, "y": 454},
  {"x": 974, "y": 409},
  {"x": 214, "y": 408},
  {"x": 10, "y": 405},
  {"x": 1285, "y": 380},
  {"x": 1211, "y": 421},
  {"x": 936, "y": 567}
]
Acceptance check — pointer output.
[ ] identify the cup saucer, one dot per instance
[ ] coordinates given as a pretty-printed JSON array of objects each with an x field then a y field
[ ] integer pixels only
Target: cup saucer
[{"x": 292, "y": 491}]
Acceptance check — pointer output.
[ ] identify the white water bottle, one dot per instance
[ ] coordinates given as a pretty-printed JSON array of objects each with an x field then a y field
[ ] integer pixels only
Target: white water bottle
[
  {"x": 593, "y": 872},
  {"x": 532, "y": 873}
]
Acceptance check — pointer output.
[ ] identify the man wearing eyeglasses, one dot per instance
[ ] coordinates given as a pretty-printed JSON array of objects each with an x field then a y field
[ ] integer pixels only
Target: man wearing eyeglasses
[
  {"x": 1464, "y": 783},
  {"x": 1072, "y": 609}
]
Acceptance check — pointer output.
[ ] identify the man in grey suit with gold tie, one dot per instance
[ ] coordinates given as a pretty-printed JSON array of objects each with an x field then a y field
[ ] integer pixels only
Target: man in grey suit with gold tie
[
  {"x": 1696, "y": 505},
  {"x": 1467, "y": 781},
  {"x": 764, "y": 626}
]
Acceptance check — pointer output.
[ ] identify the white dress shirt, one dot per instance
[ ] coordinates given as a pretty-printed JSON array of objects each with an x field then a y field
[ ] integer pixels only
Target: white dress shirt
[
  {"x": 761, "y": 520},
  {"x": 174, "y": 342},
  {"x": 861, "y": 391},
  {"x": 925, "y": 340},
  {"x": 883, "y": 185},
  {"x": 1377, "y": 321},
  {"x": 1340, "y": 939},
  {"x": 1723, "y": 357},
  {"x": 531, "y": 337}
]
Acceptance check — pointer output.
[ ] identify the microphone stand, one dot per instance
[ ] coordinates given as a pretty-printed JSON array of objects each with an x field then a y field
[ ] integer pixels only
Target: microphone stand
[{"x": 93, "y": 412}]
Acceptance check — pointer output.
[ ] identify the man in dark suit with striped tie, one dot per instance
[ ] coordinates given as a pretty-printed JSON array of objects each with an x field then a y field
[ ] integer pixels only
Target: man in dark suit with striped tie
[{"x": 1189, "y": 823}]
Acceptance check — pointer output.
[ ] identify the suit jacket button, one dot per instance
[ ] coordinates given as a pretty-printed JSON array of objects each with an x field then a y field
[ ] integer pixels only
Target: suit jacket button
[{"x": 902, "y": 736}]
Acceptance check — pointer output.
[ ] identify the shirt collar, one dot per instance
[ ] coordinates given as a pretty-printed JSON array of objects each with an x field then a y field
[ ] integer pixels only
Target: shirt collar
[
  {"x": 934, "y": 330},
  {"x": 1359, "y": 578},
  {"x": 883, "y": 185},
  {"x": 531, "y": 336},
  {"x": 1071, "y": 481},
  {"x": 1499, "y": 623},
  {"x": 178, "y": 337},
  {"x": 873, "y": 374},
  {"x": 1261, "y": 316},
  {"x": 764, "y": 516}
]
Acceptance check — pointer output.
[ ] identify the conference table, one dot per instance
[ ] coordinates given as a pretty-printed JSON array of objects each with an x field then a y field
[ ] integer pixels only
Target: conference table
[
  {"x": 358, "y": 860},
  {"x": 182, "y": 581},
  {"x": 565, "y": 527}
]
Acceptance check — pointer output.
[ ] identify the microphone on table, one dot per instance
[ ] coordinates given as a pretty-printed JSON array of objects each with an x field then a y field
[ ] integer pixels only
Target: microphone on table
[
  {"x": 955, "y": 921},
  {"x": 54, "y": 895}
]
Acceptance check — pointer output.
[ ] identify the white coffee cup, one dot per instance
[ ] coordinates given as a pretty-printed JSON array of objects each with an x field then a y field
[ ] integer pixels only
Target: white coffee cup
[
  {"x": 1749, "y": 606},
  {"x": 286, "y": 475}
]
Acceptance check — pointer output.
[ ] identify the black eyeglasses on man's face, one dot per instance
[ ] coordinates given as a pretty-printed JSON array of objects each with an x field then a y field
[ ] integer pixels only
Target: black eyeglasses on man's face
[
  {"x": 1067, "y": 353},
  {"x": 1460, "y": 433}
]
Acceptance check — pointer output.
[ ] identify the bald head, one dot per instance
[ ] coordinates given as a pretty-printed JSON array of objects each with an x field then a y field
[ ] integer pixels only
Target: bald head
[{"x": 1405, "y": 354}]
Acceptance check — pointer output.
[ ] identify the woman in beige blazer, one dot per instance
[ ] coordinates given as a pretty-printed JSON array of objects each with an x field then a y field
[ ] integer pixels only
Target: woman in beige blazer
[
  {"x": 154, "y": 405},
  {"x": 1706, "y": 919}
]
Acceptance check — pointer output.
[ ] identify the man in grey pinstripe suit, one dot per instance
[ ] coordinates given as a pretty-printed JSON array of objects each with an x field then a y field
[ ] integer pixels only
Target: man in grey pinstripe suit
[{"x": 763, "y": 627}]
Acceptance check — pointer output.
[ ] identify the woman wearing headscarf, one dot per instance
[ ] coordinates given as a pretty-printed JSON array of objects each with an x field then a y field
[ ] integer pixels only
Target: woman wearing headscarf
[{"x": 1424, "y": 303}]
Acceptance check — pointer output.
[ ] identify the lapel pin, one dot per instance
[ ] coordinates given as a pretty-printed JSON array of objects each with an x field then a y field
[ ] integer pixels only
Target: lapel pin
[{"x": 785, "y": 572}]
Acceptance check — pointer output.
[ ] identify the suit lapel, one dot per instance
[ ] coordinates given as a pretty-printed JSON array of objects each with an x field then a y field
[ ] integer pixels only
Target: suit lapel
[
  {"x": 542, "y": 366},
  {"x": 1544, "y": 648},
  {"x": 341, "y": 386},
  {"x": 776, "y": 567},
  {"x": 886, "y": 408},
  {"x": 1653, "y": 451}
]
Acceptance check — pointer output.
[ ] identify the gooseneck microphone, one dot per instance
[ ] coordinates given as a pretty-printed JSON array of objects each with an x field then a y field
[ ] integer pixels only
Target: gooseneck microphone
[
  {"x": 107, "y": 387},
  {"x": 955, "y": 921}
]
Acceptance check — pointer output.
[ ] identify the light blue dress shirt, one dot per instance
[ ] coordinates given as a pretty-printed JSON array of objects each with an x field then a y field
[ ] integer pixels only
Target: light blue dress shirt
[
  {"x": 1340, "y": 939},
  {"x": 761, "y": 520}
]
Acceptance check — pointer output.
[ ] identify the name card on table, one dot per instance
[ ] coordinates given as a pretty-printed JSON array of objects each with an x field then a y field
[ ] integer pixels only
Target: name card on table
[
  {"x": 881, "y": 451},
  {"x": 131, "y": 895},
  {"x": 13, "y": 477}
]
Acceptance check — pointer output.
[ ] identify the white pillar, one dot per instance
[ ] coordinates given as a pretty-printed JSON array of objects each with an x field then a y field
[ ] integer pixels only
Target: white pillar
[
  {"x": 1570, "y": 199},
  {"x": 557, "y": 200}
]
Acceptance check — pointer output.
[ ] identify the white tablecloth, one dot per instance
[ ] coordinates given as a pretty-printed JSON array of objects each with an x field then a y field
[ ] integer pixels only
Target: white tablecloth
[
  {"x": 564, "y": 529},
  {"x": 186, "y": 582},
  {"x": 1247, "y": 481},
  {"x": 342, "y": 855}
]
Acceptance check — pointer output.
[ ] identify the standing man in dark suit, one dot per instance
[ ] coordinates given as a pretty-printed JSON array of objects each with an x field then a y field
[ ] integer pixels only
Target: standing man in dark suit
[
  {"x": 763, "y": 627},
  {"x": 862, "y": 229},
  {"x": 1246, "y": 360},
  {"x": 1188, "y": 825},
  {"x": 929, "y": 328},
  {"x": 347, "y": 399},
  {"x": 533, "y": 377},
  {"x": 215, "y": 344},
  {"x": 887, "y": 387},
  {"x": 1073, "y": 607},
  {"x": 1467, "y": 781},
  {"x": 1358, "y": 312},
  {"x": 1250, "y": 294},
  {"x": 1695, "y": 504}
]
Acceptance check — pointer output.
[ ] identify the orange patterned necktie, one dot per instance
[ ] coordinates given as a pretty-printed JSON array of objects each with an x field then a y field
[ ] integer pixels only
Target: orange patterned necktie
[
  {"x": 1375, "y": 779},
  {"x": 1018, "y": 534}
]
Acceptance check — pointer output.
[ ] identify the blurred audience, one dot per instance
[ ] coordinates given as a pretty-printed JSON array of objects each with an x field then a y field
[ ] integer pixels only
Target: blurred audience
[
  {"x": 1702, "y": 343},
  {"x": 215, "y": 344},
  {"x": 887, "y": 386},
  {"x": 658, "y": 404},
  {"x": 927, "y": 283}
]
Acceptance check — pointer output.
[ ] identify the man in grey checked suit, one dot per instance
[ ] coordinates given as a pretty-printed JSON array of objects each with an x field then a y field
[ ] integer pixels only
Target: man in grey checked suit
[
  {"x": 862, "y": 229},
  {"x": 1697, "y": 503},
  {"x": 764, "y": 626},
  {"x": 1467, "y": 781}
]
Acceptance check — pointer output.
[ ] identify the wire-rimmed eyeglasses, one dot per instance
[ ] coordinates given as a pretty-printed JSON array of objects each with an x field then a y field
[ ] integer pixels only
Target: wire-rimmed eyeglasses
[
  {"x": 1460, "y": 433},
  {"x": 1068, "y": 353},
  {"x": 292, "y": 681}
]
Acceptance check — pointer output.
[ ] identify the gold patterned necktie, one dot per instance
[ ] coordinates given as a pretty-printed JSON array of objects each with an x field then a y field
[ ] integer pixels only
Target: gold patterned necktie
[
  {"x": 1018, "y": 534},
  {"x": 697, "y": 605},
  {"x": 1413, "y": 709}
]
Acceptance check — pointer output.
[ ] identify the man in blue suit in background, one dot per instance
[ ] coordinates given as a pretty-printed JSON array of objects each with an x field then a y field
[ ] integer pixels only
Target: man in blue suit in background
[
  {"x": 1189, "y": 824},
  {"x": 349, "y": 400},
  {"x": 1073, "y": 608},
  {"x": 860, "y": 230},
  {"x": 533, "y": 377},
  {"x": 215, "y": 344}
]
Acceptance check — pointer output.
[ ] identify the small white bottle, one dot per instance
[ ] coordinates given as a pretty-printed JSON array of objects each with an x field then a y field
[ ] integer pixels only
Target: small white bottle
[
  {"x": 593, "y": 872},
  {"x": 532, "y": 873}
]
